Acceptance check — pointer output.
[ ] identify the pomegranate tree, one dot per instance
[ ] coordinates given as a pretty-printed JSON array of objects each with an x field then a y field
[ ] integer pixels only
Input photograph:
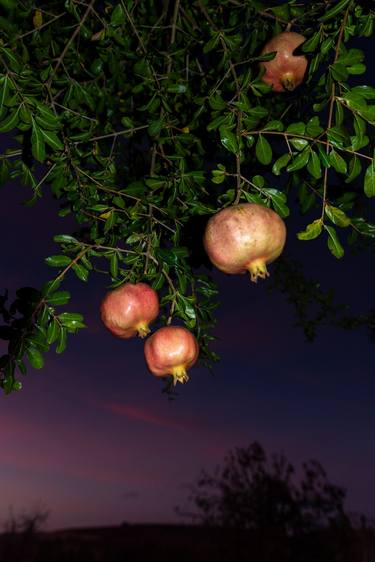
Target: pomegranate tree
[
  {"x": 286, "y": 70},
  {"x": 129, "y": 309},
  {"x": 171, "y": 350},
  {"x": 244, "y": 238}
]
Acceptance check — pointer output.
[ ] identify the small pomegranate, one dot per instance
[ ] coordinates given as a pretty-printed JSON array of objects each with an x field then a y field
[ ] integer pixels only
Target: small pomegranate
[
  {"x": 171, "y": 350},
  {"x": 244, "y": 237},
  {"x": 285, "y": 71},
  {"x": 129, "y": 309}
]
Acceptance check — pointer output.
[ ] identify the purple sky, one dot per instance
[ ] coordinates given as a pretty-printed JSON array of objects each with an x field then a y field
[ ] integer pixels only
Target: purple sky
[{"x": 92, "y": 437}]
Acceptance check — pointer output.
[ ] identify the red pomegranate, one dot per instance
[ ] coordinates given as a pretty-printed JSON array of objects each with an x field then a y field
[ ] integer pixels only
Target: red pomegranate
[
  {"x": 129, "y": 309},
  {"x": 171, "y": 350},
  {"x": 244, "y": 237},
  {"x": 285, "y": 71}
]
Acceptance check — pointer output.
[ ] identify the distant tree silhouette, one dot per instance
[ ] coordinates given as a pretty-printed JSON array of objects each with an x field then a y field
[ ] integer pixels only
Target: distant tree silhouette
[
  {"x": 269, "y": 498},
  {"x": 27, "y": 522}
]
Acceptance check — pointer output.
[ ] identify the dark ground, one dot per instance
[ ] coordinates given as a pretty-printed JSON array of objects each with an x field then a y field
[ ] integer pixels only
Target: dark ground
[{"x": 183, "y": 543}]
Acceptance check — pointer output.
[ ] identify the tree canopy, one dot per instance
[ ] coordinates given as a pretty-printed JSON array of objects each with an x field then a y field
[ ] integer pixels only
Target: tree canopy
[{"x": 145, "y": 118}]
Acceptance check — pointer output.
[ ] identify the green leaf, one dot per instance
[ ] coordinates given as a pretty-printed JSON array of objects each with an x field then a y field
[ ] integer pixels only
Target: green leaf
[
  {"x": 273, "y": 126},
  {"x": 333, "y": 242},
  {"x": 51, "y": 286},
  {"x": 65, "y": 239},
  {"x": 312, "y": 231},
  {"x": 337, "y": 9},
  {"x": 71, "y": 320},
  {"x": 296, "y": 128},
  {"x": 118, "y": 15},
  {"x": 59, "y": 298},
  {"x": 351, "y": 56},
  {"x": 313, "y": 128},
  {"x": 52, "y": 140},
  {"x": 263, "y": 150},
  {"x": 323, "y": 156},
  {"x": 155, "y": 127},
  {"x": 281, "y": 163},
  {"x": 278, "y": 199},
  {"x": 367, "y": 92},
  {"x": 356, "y": 69},
  {"x": 299, "y": 161},
  {"x": 311, "y": 44},
  {"x": 355, "y": 169},
  {"x": 53, "y": 331},
  {"x": 80, "y": 271},
  {"x": 339, "y": 72},
  {"x": 48, "y": 123},
  {"x": 299, "y": 144},
  {"x": 338, "y": 136},
  {"x": 228, "y": 140},
  {"x": 113, "y": 265},
  {"x": 35, "y": 357},
  {"x": 61, "y": 342},
  {"x": 58, "y": 261},
  {"x": 37, "y": 144},
  {"x": 337, "y": 162},
  {"x": 314, "y": 165},
  {"x": 10, "y": 122},
  {"x": 4, "y": 90},
  {"x": 370, "y": 180},
  {"x": 337, "y": 216},
  {"x": 365, "y": 228}
]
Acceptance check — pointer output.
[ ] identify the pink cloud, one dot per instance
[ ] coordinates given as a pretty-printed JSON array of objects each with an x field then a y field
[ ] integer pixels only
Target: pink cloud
[{"x": 147, "y": 416}]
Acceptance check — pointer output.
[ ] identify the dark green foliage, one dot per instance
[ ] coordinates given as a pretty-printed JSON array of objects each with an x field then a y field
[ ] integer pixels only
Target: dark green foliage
[{"x": 145, "y": 117}]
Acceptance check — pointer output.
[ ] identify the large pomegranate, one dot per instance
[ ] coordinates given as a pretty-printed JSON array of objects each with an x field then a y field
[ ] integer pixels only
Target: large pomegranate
[
  {"x": 244, "y": 237},
  {"x": 129, "y": 309},
  {"x": 285, "y": 71},
  {"x": 171, "y": 350}
]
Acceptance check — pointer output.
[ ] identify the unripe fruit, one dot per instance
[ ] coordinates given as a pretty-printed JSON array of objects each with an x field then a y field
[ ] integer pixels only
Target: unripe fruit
[
  {"x": 129, "y": 309},
  {"x": 171, "y": 350},
  {"x": 244, "y": 238},
  {"x": 285, "y": 71}
]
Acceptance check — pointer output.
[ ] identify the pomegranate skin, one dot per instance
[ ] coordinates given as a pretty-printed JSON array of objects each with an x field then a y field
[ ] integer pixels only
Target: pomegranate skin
[
  {"x": 244, "y": 238},
  {"x": 171, "y": 350},
  {"x": 285, "y": 71},
  {"x": 129, "y": 309}
]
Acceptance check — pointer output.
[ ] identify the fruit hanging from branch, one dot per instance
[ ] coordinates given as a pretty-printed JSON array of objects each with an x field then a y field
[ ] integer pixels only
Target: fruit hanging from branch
[
  {"x": 171, "y": 350},
  {"x": 286, "y": 71},
  {"x": 129, "y": 309},
  {"x": 245, "y": 237}
]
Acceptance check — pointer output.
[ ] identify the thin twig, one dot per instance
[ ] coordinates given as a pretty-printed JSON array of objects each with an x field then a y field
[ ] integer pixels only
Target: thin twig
[
  {"x": 331, "y": 105},
  {"x": 116, "y": 134},
  {"x": 49, "y": 22},
  {"x": 75, "y": 33}
]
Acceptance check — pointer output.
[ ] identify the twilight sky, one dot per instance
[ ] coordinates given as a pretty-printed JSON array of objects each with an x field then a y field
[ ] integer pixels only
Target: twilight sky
[{"x": 94, "y": 440}]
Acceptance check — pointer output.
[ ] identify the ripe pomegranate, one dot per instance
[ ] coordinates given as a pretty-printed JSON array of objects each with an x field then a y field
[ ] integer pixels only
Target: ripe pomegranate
[
  {"x": 129, "y": 309},
  {"x": 171, "y": 350},
  {"x": 244, "y": 237},
  {"x": 285, "y": 71}
]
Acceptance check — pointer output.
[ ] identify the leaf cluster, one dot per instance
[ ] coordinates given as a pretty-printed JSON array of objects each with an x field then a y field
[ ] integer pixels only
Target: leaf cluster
[{"x": 144, "y": 118}]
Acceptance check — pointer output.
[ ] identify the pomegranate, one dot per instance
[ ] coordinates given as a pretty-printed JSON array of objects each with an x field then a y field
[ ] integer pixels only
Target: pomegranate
[
  {"x": 171, "y": 350},
  {"x": 285, "y": 71},
  {"x": 244, "y": 237},
  {"x": 129, "y": 309}
]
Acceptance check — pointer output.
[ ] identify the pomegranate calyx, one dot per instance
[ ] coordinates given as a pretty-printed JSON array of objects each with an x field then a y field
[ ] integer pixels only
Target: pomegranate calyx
[
  {"x": 257, "y": 269},
  {"x": 288, "y": 81},
  {"x": 179, "y": 374},
  {"x": 142, "y": 329}
]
